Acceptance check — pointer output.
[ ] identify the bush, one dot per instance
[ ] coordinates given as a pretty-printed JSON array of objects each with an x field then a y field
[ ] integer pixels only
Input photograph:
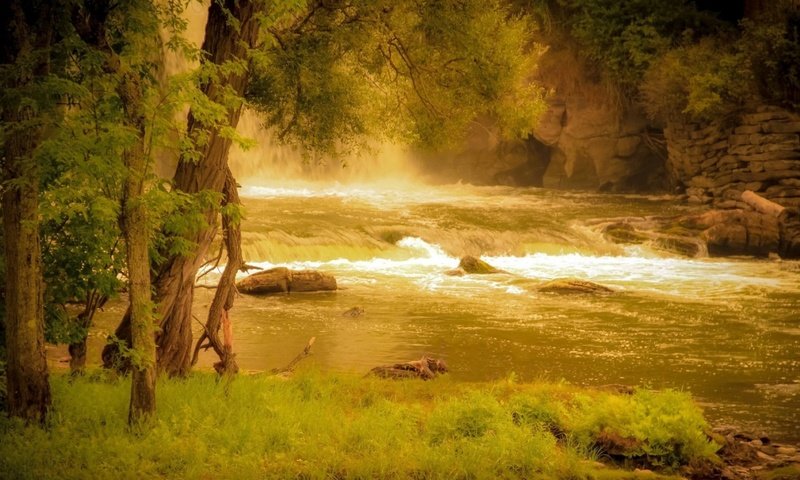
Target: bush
[
  {"x": 718, "y": 75},
  {"x": 700, "y": 81},
  {"x": 772, "y": 48}
]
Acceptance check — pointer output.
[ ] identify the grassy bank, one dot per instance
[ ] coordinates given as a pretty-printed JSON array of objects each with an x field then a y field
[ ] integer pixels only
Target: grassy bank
[{"x": 319, "y": 425}]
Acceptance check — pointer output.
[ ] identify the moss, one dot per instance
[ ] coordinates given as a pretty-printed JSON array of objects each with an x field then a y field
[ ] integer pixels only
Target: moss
[{"x": 337, "y": 426}]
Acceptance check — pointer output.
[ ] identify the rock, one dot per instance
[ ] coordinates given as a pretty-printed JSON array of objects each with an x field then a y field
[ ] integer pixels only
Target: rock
[
  {"x": 621, "y": 232},
  {"x": 626, "y": 146},
  {"x": 274, "y": 280},
  {"x": 456, "y": 272},
  {"x": 741, "y": 232},
  {"x": 615, "y": 444},
  {"x": 474, "y": 265},
  {"x": 283, "y": 280},
  {"x": 686, "y": 246},
  {"x": 550, "y": 123},
  {"x": 786, "y": 450},
  {"x": 425, "y": 368},
  {"x": 763, "y": 456},
  {"x": 573, "y": 285},
  {"x": 311, "y": 281},
  {"x": 354, "y": 312}
]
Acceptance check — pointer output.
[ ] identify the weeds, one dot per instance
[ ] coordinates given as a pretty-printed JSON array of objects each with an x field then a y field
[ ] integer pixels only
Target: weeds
[{"x": 336, "y": 426}]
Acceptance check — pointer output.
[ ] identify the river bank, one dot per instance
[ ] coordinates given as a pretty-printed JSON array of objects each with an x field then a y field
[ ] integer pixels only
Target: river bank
[{"x": 317, "y": 425}]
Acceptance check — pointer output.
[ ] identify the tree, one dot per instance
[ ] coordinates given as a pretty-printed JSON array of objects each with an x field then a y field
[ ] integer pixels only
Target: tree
[
  {"x": 328, "y": 75},
  {"x": 27, "y": 31},
  {"x": 130, "y": 43}
]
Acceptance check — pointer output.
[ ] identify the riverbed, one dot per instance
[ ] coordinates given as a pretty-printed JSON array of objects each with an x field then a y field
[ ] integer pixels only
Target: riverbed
[{"x": 725, "y": 329}]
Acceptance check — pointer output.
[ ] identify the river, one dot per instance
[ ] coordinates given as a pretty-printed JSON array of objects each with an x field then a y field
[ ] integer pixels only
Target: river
[{"x": 727, "y": 330}]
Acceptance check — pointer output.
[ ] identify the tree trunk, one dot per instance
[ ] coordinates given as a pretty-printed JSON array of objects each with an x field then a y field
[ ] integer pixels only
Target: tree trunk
[
  {"x": 226, "y": 289},
  {"x": 135, "y": 229},
  {"x": 25, "y": 28},
  {"x": 77, "y": 356},
  {"x": 28, "y": 389},
  {"x": 231, "y": 30}
]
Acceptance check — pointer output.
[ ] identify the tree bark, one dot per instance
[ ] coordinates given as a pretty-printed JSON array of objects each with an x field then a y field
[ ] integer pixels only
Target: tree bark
[
  {"x": 232, "y": 29},
  {"x": 219, "y": 312},
  {"x": 26, "y": 28},
  {"x": 135, "y": 229}
]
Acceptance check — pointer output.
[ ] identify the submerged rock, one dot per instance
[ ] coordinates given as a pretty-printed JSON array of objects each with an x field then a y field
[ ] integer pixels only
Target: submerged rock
[
  {"x": 284, "y": 280},
  {"x": 621, "y": 232},
  {"x": 456, "y": 272},
  {"x": 354, "y": 312},
  {"x": 474, "y": 265},
  {"x": 574, "y": 285}
]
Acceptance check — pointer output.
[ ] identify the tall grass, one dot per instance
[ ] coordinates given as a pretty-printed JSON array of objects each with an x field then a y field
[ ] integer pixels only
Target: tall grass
[{"x": 336, "y": 426}]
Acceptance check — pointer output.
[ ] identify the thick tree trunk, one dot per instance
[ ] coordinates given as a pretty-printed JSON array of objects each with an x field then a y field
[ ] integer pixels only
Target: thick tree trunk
[
  {"x": 25, "y": 28},
  {"x": 135, "y": 229},
  {"x": 231, "y": 30},
  {"x": 28, "y": 389}
]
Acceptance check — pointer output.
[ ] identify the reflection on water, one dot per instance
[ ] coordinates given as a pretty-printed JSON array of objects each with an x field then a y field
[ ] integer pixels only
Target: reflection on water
[{"x": 728, "y": 330}]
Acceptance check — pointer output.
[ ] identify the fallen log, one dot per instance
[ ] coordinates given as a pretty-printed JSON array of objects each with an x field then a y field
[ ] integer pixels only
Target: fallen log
[
  {"x": 761, "y": 204},
  {"x": 283, "y": 280},
  {"x": 425, "y": 368}
]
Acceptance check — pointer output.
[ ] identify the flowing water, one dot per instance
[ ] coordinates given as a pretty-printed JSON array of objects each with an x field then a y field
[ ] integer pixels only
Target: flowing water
[{"x": 727, "y": 330}]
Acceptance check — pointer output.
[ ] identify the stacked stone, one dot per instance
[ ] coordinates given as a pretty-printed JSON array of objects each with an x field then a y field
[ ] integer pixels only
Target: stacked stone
[{"x": 718, "y": 162}]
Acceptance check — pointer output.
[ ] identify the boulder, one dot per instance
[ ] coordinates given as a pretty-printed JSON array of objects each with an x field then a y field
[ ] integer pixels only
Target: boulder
[
  {"x": 474, "y": 265},
  {"x": 574, "y": 285},
  {"x": 741, "y": 232},
  {"x": 284, "y": 280}
]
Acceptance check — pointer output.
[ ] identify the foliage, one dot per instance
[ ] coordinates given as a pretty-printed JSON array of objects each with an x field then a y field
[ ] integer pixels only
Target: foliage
[
  {"x": 321, "y": 426},
  {"x": 701, "y": 81},
  {"x": 2, "y": 295},
  {"x": 336, "y": 74},
  {"x": 620, "y": 40},
  {"x": 718, "y": 75},
  {"x": 771, "y": 46}
]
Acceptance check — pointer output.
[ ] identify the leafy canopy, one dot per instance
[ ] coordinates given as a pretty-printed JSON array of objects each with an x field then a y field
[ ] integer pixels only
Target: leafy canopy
[{"x": 336, "y": 73}]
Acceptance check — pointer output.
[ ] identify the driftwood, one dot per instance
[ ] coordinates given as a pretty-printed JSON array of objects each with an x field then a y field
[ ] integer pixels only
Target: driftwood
[
  {"x": 424, "y": 368},
  {"x": 283, "y": 280},
  {"x": 761, "y": 204},
  {"x": 289, "y": 368}
]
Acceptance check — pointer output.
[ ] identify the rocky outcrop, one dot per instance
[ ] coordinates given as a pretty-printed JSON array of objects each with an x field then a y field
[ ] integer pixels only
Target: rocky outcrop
[
  {"x": 593, "y": 146},
  {"x": 283, "y": 280},
  {"x": 759, "y": 228},
  {"x": 758, "y": 151}
]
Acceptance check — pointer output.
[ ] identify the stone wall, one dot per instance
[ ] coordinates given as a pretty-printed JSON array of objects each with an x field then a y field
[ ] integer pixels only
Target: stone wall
[{"x": 758, "y": 151}]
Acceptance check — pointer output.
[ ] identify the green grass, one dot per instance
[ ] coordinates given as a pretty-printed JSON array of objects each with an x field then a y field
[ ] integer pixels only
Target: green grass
[{"x": 327, "y": 426}]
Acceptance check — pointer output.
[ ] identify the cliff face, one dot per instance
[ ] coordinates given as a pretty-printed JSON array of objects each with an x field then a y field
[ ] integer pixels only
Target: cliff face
[
  {"x": 583, "y": 141},
  {"x": 757, "y": 150},
  {"x": 595, "y": 146}
]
